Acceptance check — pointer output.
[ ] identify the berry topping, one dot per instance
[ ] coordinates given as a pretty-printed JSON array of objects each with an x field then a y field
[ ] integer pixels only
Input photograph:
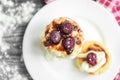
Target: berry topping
[
  {"x": 68, "y": 44},
  {"x": 66, "y": 27},
  {"x": 92, "y": 58},
  {"x": 77, "y": 40},
  {"x": 55, "y": 36}
]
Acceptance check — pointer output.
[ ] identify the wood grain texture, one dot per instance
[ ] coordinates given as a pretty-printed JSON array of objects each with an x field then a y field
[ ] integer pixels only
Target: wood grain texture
[{"x": 11, "y": 62}]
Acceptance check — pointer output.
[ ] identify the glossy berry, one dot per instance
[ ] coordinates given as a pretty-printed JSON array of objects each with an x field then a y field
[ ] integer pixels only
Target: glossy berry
[
  {"x": 66, "y": 27},
  {"x": 55, "y": 37},
  {"x": 92, "y": 58},
  {"x": 68, "y": 44}
]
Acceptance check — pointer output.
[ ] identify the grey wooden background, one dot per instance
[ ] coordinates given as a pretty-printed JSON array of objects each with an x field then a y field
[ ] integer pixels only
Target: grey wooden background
[{"x": 11, "y": 62}]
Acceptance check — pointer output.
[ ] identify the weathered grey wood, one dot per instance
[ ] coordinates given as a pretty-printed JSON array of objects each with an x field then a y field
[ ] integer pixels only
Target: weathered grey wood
[{"x": 12, "y": 66}]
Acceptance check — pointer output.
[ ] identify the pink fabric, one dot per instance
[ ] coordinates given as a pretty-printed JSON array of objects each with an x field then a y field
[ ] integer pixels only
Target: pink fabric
[
  {"x": 48, "y": 1},
  {"x": 114, "y": 7},
  {"x": 117, "y": 77}
]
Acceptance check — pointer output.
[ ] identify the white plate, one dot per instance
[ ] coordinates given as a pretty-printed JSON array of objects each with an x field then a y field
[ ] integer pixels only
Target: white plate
[{"x": 97, "y": 24}]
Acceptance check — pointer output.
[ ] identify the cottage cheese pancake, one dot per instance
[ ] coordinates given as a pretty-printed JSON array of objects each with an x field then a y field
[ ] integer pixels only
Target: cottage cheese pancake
[
  {"x": 63, "y": 37},
  {"x": 94, "y": 58}
]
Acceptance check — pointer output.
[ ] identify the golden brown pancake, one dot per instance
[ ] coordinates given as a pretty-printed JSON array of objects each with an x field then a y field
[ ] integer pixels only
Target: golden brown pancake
[
  {"x": 58, "y": 49},
  {"x": 98, "y": 47}
]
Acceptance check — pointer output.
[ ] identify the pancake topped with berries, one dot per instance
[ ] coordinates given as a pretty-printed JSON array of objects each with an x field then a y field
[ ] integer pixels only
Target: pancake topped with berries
[
  {"x": 94, "y": 58},
  {"x": 63, "y": 37}
]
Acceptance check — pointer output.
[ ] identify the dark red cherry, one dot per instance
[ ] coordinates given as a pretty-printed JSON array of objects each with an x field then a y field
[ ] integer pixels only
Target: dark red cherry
[
  {"x": 92, "y": 58},
  {"x": 66, "y": 27},
  {"x": 68, "y": 44},
  {"x": 55, "y": 37}
]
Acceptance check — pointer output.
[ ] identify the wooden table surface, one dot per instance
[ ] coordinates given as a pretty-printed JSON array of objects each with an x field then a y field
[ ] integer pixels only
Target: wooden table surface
[{"x": 11, "y": 62}]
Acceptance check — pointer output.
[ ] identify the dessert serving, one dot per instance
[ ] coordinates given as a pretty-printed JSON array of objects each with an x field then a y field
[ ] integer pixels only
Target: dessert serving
[
  {"x": 94, "y": 58},
  {"x": 63, "y": 38}
]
